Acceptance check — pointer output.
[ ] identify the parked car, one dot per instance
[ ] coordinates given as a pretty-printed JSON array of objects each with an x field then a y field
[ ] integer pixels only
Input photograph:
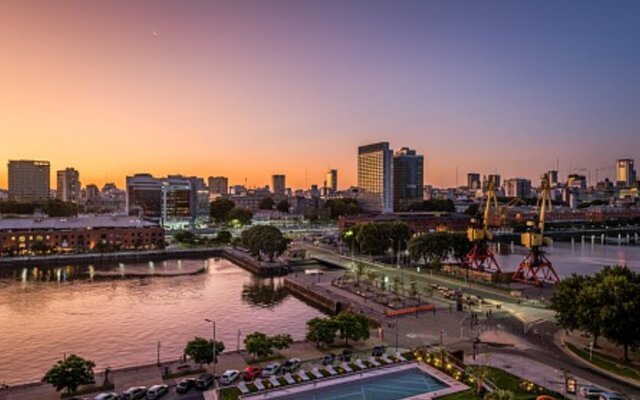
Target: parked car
[
  {"x": 611, "y": 396},
  {"x": 591, "y": 392},
  {"x": 157, "y": 391},
  {"x": 328, "y": 359},
  {"x": 270, "y": 370},
  {"x": 229, "y": 376},
  {"x": 134, "y": 393},
  {"x": 185, "y": 385},
  {"x": 378, "y": 351},
  {"x": 204, "y": 381},
  {"x": 251, "y": 373},
  {"x": 345, "y": 355},
  {"x": 107, "y": 396},
  {"x": 291, "y": 365}
]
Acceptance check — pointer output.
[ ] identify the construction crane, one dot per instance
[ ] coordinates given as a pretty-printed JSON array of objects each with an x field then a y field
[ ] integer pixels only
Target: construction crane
[
  {"x": 481, "y": 257},
  {"x": 536, "y": 267}
]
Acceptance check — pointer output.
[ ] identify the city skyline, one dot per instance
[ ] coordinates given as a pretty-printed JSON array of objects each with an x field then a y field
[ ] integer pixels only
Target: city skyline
[{"x": 246, "y": 92}]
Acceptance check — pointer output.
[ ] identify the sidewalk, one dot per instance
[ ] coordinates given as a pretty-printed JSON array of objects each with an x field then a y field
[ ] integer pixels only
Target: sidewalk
[
  {"x": 526, "y": 368},
  {"x": 561, "y": 339}
]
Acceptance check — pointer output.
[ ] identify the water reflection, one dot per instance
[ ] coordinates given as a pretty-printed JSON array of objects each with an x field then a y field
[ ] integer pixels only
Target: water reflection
[
  {"x": 93, "y": 311},
  {"x": 264, "y": 292}
]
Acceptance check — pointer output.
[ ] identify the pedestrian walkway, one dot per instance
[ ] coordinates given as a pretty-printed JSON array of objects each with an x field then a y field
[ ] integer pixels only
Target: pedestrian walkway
[{"x": 526, "y": 368}]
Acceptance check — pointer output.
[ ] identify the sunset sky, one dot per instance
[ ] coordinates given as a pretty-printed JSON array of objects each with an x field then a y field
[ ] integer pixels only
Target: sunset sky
[{"x": 247, "y": 89}]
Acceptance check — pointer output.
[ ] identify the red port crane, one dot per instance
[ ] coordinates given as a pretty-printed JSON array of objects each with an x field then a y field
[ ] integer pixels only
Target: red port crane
[
  {"x": 536, "y": 267},
  {"x": 481, "y": 257}
]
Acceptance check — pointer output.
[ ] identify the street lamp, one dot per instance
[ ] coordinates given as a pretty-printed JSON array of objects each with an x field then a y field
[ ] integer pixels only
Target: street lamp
[{"x": 215, "y": 349}]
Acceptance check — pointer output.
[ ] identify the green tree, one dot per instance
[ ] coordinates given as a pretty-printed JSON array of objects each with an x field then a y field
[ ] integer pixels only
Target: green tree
[
  {"x": 564, "y": 301},
  {"x": 283, "y": 206},
  {"x": 589, "y": 315},
  {"x": 399, "y": 234},
  {"x": 372, "y": 276},
  {"x": 396, "y": 285},
  {"x": 340, "y": 207},
  {"x": 373, "y": 239},
  {"x": 460, "y": 246},
  {"x": 620, "y": 311},
  {"x": 281, "y": 341},
  {"x": 265, "y": 240},
  {"x": 413, "y": 288},
  {"x": 219, "y": 208},
  {"x": 312, "y": 214},
  {"x": 431, "y": 247},
  {"x": 70, "y": 373},
  {"x": 261, "y": 345},
  {"x": 321, "y": 330},
  {"x": 266, "y": 204},
  {"x": 258, "y": 344},
  {"x": 239, "y": 216},
  {"x": 352, "y": 326},
  {"x": 224, "y": 236},
  {"x": 200, "y": 350}
]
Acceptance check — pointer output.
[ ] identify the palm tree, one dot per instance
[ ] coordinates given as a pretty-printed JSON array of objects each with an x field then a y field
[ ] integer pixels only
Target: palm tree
[
  {"x": 499, "y": 394},
  {"x": 371, "y": 277}
]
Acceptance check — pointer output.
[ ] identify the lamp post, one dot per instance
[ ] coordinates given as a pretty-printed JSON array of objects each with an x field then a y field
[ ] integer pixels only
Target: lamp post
[{"x": 215, "y": 349}]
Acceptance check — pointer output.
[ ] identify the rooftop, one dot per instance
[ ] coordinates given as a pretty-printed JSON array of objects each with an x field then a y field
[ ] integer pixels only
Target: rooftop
[{"x": 80, "y": 222}]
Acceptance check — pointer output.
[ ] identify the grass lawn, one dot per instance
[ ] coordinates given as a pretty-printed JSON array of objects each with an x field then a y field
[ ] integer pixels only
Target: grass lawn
[
  {"x": 605, "y": 363},
  {"x": 504, "y": 380}
]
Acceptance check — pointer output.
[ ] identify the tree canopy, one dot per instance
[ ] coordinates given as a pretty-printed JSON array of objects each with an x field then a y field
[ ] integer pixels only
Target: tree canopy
[
  {"x": 261, "y": 345},
  {"x": 605, "y": 304},
  {"x": 239, "y": 215},
  {"x": 200, "y": 350},
  {"x": 283, "y": 206},
  {"x": 349, "y": 326},
  {"x": 340, "y": 207},
  {"x": 264, "y": 240},
  {"x": 219, "y": 208},
  {"x": 266, "y": 204},
  {"x": 375, "y": 238},
  {"x": 70, "y": 373}
]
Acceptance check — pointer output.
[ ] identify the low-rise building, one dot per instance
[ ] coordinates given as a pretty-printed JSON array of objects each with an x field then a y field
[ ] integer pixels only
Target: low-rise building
[{"x": 24, "y": 236}]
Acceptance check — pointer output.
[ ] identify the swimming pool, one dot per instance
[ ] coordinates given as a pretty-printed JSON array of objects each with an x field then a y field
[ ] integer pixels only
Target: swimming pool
[{"x": 391, "y": 386}]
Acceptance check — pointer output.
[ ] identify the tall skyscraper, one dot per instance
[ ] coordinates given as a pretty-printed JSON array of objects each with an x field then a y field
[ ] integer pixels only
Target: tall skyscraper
[
  {"x": 331, "y": 181},
  {"x": 29, "y": 180},
  {"x": 68, "y": 185},
  {"x": 625, "y": 172},
  {"x": 278, "y": 185},
  {"x": 473, "y": 181},
  {"x": 408, "y": 179},
  {"x": 218, "y": 185},
  {"x": 375, "y": 178},
  {"x": 495, "y": 178},
  {"x": 553, "y": 177}
]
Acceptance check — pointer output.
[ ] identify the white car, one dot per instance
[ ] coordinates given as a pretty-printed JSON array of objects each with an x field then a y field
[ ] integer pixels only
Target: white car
[
  {"x": 229, "y": 376},
  {"x": 157, "y": 391},
  {"x": 107, "y": 396},
  {"x": 270, "y": 370},
  {"x": 134, "y": 393}
]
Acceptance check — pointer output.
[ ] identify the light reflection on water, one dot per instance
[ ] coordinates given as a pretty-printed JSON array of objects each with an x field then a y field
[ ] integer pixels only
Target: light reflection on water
[{"x": 45, "y": 312}]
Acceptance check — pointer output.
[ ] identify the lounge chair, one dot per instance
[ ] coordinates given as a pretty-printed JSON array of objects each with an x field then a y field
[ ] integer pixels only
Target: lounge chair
[
  {"x": 330, "y": 369},
  {"x": 274, "y": 381},
  {"x": 316, "y": 372},
  {"x": 287, "y": 377},
  {"x": 243, "y": 388},
  {"x": 346, "y": 367},
  {"x": 360, "y": 364},
  {"x": 386, "y": 359},
  {"x": 303, "y": 375},
  {"x": 399, "y": 356},
  {"x": 259, "y": 385},
  {"x": 373, "y": 361}
]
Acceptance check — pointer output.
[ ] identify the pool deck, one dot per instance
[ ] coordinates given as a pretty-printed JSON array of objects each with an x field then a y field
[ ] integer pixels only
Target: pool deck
[{"x": 453, "y": 385}]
